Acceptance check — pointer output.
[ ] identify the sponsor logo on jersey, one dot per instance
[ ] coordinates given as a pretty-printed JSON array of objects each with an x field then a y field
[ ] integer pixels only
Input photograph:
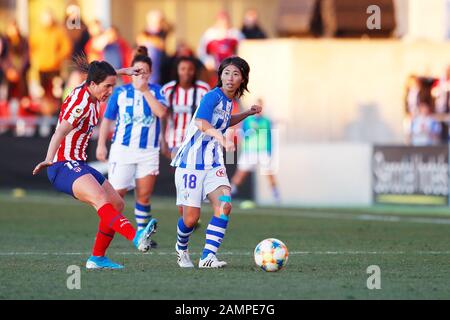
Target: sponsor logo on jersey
[
  {"x": 220, "y": 173},
  {"x": 77, "y": 111}
]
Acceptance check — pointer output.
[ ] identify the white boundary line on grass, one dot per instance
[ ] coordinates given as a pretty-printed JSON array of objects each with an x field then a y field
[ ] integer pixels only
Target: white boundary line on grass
[
  {"x": 231, "y": 253},
  {"x": 263, "y": 212},
  {"x": 356, "y": 217}
]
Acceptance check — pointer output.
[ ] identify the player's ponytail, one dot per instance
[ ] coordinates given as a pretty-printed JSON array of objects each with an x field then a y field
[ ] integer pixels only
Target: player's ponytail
[
  {"x": 141, "y": 55},
  {"x": 97, "y": 71},
  {"x": 243, "y": 66}
]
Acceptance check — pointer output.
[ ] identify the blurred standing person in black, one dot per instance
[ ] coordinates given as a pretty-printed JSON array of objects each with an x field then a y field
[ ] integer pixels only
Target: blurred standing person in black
[
  {"x": 169, "y": 68},
  {"x": 251, "y": 28},
  {"x": 154, "y": 39},
  {"x": 77, "y": 30}
]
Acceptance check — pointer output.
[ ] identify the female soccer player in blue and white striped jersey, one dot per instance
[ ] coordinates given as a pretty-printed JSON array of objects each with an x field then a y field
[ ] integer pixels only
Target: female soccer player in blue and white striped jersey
[
  {"x": 200, "y": 171},
  {"x": 134, "y": 156}
]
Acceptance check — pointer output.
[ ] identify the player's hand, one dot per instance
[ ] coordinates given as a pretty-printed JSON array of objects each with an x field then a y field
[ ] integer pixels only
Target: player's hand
[
  {"x": 229, "y": 146},
  {"x": 133, "y": 71},
  {"x": 101, "y": 153},
  {"x": 254, "y": 110},
  {"x": 165, "y": 150},
  {"x": 42, "y": 165}
]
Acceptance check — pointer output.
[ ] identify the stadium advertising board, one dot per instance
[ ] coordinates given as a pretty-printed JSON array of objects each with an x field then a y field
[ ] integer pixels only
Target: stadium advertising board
[{"x": 410, "y": 175}]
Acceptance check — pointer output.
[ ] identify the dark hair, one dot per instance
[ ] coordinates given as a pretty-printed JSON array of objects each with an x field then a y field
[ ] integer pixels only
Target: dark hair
[
  {"x": 243, "y": 66},
  {"x": 141, "y": 55},
  {"x": 97, "y": 71},
  {"x": 177, "y": 82}
]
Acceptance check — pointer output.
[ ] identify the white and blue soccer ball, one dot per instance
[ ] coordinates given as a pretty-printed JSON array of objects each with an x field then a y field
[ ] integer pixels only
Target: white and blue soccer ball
[{"x": 271, "y": 255}]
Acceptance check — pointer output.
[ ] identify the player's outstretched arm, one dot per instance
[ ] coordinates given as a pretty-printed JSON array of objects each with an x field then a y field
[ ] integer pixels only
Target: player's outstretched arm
[
  {"x": 235, "y": 119},
  {"x": 130, "y": 71},
  {"x": 60, "y": 133},
  {"x": 205, "y": 127}
]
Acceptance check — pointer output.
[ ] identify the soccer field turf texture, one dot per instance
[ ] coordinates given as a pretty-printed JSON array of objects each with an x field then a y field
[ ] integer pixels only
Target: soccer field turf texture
[{"x": 41, "y": 235}]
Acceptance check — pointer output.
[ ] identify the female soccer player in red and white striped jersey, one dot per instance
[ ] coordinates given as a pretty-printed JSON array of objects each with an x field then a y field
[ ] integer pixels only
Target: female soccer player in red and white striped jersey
[
  {"x": 66, "y": 158},
  {"x": 183, "y": 96}
]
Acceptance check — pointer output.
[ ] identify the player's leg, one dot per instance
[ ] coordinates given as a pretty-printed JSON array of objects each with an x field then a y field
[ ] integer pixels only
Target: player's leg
[
  {"x": 121, "y": 176},
  {"x": 274, "y": 187},
  {"x": 94, "y": 189},
  {"x": 146, "y": 174},
  {"x": 237, "y": 180},
  {"x": 105, "y": 234},
  {"x": 185, "y": 226},
  {"x": 143, "y": 191},
  {"x": 142, "y": 208},
  {"x": 267, "y": 168},
  {"x": 246, "y": 163},
  {"x": 218, "y": 190},
  {"x": 189, "y": 185}
]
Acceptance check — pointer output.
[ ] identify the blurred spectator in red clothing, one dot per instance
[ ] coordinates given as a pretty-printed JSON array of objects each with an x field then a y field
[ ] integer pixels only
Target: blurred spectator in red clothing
[
  {"x": 97, "y": 41},
  {"x": 217, "y": 43}
]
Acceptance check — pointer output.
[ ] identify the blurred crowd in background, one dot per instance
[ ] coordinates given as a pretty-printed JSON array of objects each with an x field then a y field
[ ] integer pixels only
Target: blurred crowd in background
[{"x": 29, "y": 107}]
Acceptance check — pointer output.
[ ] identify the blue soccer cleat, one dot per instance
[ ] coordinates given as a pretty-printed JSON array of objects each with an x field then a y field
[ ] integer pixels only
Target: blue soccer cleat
[
  {"x": 142, "y": 239},
  {"x": 102, "y": 263}
]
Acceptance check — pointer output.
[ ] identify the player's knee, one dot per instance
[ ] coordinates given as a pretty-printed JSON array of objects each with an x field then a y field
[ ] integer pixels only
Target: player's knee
[
  {"x": 225, "y": 204},
  {"x": 100, "y": 198},
  {"x": 190, "y": 222},
  {"x": 226, "y": 207},
  {"x": 119, "y": 204}
]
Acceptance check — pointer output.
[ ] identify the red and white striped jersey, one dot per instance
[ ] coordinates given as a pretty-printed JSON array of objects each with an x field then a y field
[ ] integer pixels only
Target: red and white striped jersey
[
  {"x": 82, "y": 112},
  {"x": 181, "y": 103}
]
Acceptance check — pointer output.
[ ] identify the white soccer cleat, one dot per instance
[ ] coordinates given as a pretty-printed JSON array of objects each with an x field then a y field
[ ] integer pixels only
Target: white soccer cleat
[
  {"x": 211, "y": 262},
  {"x": 183, "y": 259}
]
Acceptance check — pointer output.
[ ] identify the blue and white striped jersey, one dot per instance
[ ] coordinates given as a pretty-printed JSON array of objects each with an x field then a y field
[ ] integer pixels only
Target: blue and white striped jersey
[
  {"x": 200, "y": 151},
  {"x": 137, "y": 129}
]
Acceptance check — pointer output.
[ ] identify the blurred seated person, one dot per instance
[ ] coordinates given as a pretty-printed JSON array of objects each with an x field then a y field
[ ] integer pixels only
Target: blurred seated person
[
  {"x": 424, "y": 129},
  {"x": 412, "y": 96},
  {"x": 251, "y": 28}
]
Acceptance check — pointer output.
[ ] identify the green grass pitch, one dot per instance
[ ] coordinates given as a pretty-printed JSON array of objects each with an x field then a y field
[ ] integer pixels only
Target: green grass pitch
[{"x": 42, "y": 234}]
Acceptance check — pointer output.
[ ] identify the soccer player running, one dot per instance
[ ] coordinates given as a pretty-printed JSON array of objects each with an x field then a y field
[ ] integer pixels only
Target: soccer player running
[
  {"x": 136, "y": 109},
  {"x": 200, "y": 171},
  {"x": 183, "y": 96},
  {"x": 256, "y": 150},
  {"x": 66, "y": 161}
]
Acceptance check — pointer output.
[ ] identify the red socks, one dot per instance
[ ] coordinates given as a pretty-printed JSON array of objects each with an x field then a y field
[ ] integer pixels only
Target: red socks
[
  {"x": 110, "y": 218},
  {"x": 102, "y": 240}
]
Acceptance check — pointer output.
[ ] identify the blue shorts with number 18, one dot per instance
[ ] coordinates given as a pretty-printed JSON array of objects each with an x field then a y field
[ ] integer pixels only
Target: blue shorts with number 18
[{"x": 63, "y": 174}]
